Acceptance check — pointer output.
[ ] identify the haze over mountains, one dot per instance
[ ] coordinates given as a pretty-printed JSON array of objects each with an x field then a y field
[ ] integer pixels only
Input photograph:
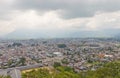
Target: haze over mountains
[{"x": 21, "y": 34}]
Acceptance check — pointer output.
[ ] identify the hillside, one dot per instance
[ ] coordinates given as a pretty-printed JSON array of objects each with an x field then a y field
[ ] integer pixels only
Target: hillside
[{"x": 109, "y": 70}]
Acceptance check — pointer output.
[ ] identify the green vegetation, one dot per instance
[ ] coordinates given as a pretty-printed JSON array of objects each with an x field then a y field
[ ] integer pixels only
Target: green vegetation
[
  {"x": 40, "y": 73},
  {"x": 5, "y": 77},
  {"x": 22, "y": 60},
  {"x": 17, "y": 44},
  {"x": 58, "y": 72},
  {"x": 61, "y": 45},
  {"x": 64, "y": 61},
  {"x": 109, "y": 70},
  {"x": 56, "y": 64}
]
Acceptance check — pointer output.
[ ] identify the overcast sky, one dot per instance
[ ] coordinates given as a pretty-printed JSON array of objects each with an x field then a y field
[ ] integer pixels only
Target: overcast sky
[{"x": 59, "y": 18}]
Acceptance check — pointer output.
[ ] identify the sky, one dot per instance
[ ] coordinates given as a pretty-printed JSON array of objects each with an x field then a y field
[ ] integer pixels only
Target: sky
[{"x": 59, "y": 18}]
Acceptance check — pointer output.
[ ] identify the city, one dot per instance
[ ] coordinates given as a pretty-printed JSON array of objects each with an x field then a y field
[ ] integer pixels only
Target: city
[{"x": 81, "y": 54}]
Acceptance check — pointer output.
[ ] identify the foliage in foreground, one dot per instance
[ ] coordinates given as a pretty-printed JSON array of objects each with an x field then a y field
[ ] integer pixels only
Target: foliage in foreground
[
  {"x": 5, "y": 77},
  {"x": 110, "y": 70}
]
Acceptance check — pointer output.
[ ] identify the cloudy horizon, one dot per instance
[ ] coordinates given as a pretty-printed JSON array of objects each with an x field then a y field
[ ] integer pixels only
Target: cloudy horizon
[{"x": 59, "y": 19}]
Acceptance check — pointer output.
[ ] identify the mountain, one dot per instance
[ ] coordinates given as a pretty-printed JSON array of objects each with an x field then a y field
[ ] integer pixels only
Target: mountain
[{"x": 27, "y": 34}]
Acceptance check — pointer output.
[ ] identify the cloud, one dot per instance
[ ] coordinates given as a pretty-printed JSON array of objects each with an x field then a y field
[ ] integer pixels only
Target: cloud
[
  {"x": 5, "y": 28},
  {"x": 104, "y": 21},
  {"x": 50, "y": 23},
  {"x": 72, "y": 8},
  {"x": 59, "y": 18}
]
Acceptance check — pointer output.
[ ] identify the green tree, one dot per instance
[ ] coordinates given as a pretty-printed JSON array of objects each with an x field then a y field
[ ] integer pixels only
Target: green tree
[
  {"x": 61, "y": 45},
  {"x": 56, "y": 64},
  {"x": 22, "y": 61}
]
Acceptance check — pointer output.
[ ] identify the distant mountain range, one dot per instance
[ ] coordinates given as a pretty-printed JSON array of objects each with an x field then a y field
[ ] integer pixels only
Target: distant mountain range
[{"x": 27, "y": 34}]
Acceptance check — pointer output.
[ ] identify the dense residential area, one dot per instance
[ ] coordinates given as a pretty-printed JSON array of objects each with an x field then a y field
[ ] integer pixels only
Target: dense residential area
[{"x": 78, "y": 54}]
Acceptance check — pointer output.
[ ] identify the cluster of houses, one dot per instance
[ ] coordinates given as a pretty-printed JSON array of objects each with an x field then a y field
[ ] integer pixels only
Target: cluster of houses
[{"x": 80, "y": 54}]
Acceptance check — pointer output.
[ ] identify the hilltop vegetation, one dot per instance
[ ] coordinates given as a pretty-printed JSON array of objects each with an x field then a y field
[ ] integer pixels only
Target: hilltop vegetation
[
  {"x": 5, "y": 77},
  {"x": 109, "y": 70}
]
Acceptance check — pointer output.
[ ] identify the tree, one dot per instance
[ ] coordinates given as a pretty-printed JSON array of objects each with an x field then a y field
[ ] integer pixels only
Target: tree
[
  {"x": 56, "y": 64},
  {"x": 61, "y": 45},
  {"x": 22, "y": 61}
]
